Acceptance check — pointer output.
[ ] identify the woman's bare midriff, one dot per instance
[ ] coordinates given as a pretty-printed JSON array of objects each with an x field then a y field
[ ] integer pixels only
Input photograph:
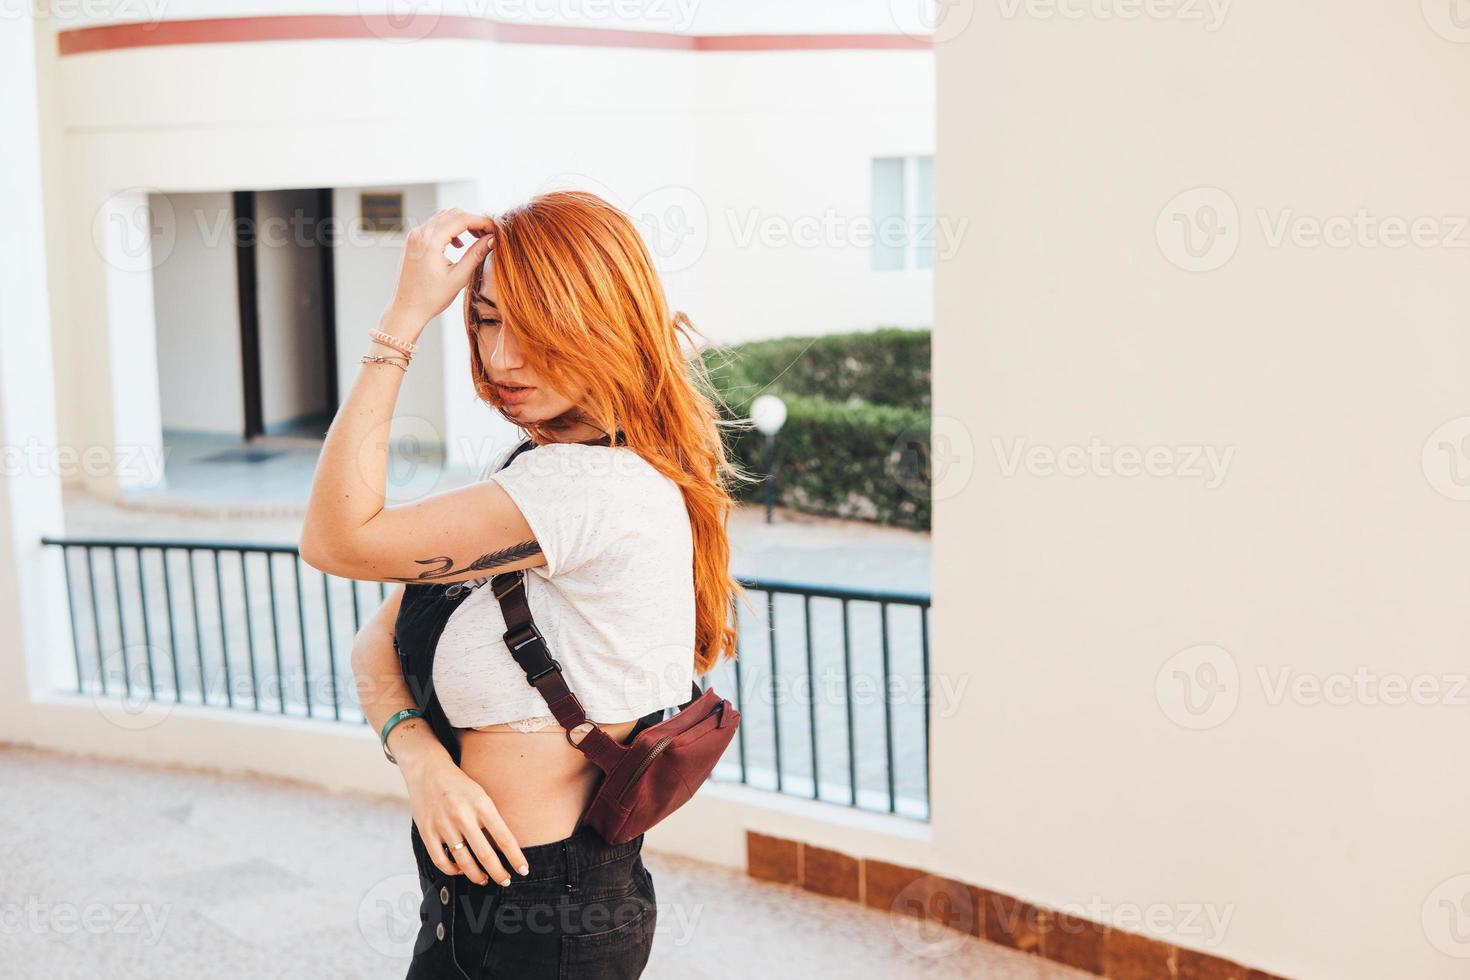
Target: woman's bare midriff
[{"x": 538, "y": 780}]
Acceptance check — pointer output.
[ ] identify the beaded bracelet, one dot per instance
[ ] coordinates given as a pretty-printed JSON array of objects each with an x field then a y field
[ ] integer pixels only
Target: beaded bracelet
[
  {"x": 388, "y": 727},
  {"x": 397, "y": 343}
]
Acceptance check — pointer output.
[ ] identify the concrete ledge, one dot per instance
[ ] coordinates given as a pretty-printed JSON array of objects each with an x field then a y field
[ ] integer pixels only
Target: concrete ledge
[{"x": 331, "y": 755}]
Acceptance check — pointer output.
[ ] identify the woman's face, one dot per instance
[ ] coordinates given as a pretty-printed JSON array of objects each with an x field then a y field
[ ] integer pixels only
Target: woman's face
[{"x": 519, "y": 392}]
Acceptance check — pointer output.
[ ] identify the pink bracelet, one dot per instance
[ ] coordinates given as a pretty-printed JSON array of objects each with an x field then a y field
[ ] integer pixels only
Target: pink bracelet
[{"x": 397, "y": 343}]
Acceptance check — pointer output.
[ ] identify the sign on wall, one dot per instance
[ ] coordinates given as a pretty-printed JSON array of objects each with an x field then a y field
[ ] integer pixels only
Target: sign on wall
[{"x": 381, "y": 212}]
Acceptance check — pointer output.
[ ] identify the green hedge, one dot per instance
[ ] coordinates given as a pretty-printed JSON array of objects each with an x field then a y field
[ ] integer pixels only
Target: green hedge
[
  {"x": 856, "y": 438},
  {"x": 887, "y": 366}
]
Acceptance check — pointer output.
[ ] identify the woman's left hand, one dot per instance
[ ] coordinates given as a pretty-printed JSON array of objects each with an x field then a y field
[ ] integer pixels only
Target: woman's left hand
[{"x": 428, "y": 281}]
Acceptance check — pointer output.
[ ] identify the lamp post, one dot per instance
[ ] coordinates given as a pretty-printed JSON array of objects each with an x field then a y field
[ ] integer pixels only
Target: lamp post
[{"x": 768, "y": 412}]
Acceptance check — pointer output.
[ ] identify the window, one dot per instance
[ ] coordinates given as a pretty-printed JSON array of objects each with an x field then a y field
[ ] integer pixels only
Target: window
[{"x": 903, "y": 213}]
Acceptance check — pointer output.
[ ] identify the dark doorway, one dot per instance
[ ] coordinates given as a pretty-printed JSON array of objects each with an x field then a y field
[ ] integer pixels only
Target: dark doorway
[
  {"x": 285, "y": 272},
  {"x": 249, "y": 297}
]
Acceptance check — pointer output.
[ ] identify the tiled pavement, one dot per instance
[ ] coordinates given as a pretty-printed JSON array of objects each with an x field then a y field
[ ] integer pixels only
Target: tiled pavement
[{"x": 126, "y": 872}]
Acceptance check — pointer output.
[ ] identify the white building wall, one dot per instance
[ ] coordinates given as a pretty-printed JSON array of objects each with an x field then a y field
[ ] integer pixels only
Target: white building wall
[
  {"x": 786, "y": 145},
  {"x": 694, "y": 145},
  {"x": 197, "y": 311},
  {"x": 32, "y": 609},
  {"x": 1325, "y": 818}
]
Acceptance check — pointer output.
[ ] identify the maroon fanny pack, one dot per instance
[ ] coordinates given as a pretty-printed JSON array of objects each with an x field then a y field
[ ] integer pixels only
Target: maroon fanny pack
[{"x": 663, "y": 764}]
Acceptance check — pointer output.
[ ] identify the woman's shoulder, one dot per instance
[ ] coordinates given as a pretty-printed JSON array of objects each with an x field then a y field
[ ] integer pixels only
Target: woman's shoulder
[
  {"x": 622, "y": 468},
  {"x": 581, "y": 457}
]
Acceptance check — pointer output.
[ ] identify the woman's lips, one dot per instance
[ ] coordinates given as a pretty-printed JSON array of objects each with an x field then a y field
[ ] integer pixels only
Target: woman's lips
[{"x": 513, "y": 395}]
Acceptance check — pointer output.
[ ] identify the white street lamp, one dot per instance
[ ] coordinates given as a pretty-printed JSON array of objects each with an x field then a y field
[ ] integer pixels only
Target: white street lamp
[{"x": 768, "y": 412}]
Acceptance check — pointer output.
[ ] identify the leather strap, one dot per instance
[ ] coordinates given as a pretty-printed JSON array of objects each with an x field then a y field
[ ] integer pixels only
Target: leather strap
[{"x": 543, "y": 671}]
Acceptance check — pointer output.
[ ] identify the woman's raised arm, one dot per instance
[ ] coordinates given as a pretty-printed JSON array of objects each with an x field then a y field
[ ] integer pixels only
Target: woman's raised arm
[{"x": 454, "y": 536}]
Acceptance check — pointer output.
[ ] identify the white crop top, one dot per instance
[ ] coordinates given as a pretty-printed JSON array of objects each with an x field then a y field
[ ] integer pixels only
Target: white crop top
[{"x": 615, "y": 599}]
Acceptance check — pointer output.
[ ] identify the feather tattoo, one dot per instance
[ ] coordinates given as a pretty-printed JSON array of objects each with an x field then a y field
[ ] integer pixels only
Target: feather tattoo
[{"x": 495, "y": 559}]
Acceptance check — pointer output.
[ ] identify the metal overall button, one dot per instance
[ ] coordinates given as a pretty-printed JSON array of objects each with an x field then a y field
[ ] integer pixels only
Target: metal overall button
[
  {"x": 433, "y": 915},
  {"x": 473, "y": 918}
]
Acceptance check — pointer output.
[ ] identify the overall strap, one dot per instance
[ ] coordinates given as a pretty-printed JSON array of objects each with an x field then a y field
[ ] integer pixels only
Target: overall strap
[
  {"x": 528, "y": 647},
  {"x": 528, "y": 444},
  {"x": 543, "y": 672}
]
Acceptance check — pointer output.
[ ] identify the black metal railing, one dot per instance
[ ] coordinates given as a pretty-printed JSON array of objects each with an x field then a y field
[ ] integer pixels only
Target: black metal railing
[{"x": 833, "y": 684}]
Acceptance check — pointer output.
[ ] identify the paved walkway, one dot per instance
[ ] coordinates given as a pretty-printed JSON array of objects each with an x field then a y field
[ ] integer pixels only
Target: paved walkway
[{"x": 134, "y": 873}]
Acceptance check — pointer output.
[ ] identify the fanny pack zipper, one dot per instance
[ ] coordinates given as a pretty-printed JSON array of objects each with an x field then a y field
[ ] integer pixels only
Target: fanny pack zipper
[{"x": 658, "y": 747}]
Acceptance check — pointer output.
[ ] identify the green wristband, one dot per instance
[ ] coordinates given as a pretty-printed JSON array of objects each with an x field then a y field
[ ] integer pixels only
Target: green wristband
[{"x": 388, "y": 727}]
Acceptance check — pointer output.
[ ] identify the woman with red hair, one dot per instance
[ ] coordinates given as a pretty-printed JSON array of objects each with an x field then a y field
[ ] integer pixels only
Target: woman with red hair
[{"x": 615, "y": 510}]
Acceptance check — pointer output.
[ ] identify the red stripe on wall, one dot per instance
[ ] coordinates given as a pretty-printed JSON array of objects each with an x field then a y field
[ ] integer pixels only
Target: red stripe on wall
[
  {"x": 313, "y": 27},
  {"x": 812, "y": 42}
]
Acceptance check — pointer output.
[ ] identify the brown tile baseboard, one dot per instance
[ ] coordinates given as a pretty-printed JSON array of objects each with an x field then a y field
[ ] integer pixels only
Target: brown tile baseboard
[{"x": 999, "y": 918}]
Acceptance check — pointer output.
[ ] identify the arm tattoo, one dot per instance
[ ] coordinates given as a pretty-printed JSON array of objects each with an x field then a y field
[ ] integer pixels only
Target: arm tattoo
[{"x": 445, "y": 565}]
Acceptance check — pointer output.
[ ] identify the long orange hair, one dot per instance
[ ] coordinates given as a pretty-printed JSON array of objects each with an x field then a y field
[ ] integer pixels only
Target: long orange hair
[{"x": 576, "y": 283}]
